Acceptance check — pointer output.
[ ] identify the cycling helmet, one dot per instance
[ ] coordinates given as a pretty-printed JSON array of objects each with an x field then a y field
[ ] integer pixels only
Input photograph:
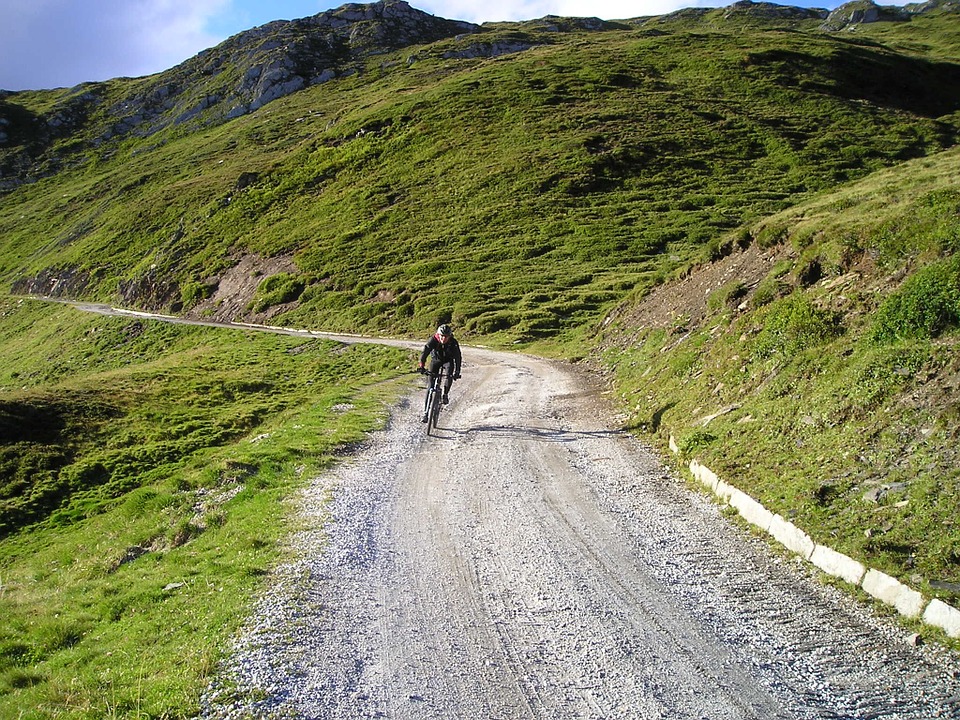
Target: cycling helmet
[{"x": 444, "y": 330}]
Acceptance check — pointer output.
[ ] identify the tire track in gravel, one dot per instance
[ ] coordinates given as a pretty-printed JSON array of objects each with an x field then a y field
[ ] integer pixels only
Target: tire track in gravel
[
  {"x": 557, "y": 571},
  {"x": 533, "y": 562}
]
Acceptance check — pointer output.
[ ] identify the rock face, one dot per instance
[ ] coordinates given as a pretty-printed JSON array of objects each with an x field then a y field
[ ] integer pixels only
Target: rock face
[
  {"x": 249, "y": 70},
  {"x": 283, "y": 57},
  {"x": 854, "y": 13},
  {"x": 771, "y": 11}
]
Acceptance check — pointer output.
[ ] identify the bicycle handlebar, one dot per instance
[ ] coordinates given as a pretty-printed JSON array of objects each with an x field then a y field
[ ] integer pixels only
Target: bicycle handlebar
[{"x": 424, "y": 371}]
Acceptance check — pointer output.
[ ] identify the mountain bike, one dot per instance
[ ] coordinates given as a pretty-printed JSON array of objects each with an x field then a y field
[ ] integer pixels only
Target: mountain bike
[{"x": 433, "y": 401}]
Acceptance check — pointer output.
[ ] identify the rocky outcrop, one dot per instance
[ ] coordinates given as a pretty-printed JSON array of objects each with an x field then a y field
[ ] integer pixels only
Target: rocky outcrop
[
  {"x": 257, "y": 66},
  {"x": 851, "y": 14},
  {"x": 237, "y": 77},
  {"x": 932, "y": 6},
  {"x": 845, "y": 17},
  {"x": 284, "y": 57},
  {"x": 492, "y": 49},
  {"x": 771, "y": 11},
  {"x": 56, "y": 283},
  {"x": 558, "y": 24}
]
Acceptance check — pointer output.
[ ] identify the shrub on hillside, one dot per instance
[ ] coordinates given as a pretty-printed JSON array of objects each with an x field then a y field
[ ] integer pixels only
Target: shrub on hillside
[
  {"x": 770, "y": 235},
  {"x": 927, "y": 228},
  {"x": 794, "y": 324},
  {"x": 276, "y": 290},
  {"x": 773, "y": 286},
  {"x": 769, "y": 290},
  {"x": 926, "y": 304},
  {"x": 194, "y": 292},
  {"x": 694, "y": 441},
  {"x": 727, "y": 297}
]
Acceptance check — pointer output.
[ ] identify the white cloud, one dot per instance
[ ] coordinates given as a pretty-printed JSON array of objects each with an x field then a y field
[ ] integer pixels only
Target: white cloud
[
  {"x": 55, "y": 43},
  {"x": 173, "y": 29}
]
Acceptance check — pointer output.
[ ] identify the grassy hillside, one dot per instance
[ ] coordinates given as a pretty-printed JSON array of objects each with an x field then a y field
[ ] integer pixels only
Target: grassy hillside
[
  {"x": 144, "y": 474},
  {"x": 751, "y": 222},
  {"x": 817, "y": 369},
  {"x": 519, "y": 196}
]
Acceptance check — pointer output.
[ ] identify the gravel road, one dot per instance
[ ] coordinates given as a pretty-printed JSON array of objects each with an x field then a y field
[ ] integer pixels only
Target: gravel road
[{"x": 532, "y": 561}]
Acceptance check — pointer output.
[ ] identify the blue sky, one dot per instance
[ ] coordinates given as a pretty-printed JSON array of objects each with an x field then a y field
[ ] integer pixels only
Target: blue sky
[{"x": 60, "y": 43}]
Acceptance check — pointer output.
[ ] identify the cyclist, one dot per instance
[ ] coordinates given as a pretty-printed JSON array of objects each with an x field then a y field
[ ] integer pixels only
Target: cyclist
[{"x": 443, "y": 349}]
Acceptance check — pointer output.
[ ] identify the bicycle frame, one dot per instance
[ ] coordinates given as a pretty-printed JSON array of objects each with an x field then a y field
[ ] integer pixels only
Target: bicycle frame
[{"x": 432, "y": 403}]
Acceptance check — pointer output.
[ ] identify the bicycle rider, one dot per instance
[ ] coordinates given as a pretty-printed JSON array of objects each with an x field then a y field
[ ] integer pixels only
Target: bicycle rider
[{"x": 443, "y": 349}]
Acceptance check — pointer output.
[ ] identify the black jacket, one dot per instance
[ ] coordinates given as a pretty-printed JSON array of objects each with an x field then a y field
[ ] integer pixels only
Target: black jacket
[{"x": 442, "y": 353}]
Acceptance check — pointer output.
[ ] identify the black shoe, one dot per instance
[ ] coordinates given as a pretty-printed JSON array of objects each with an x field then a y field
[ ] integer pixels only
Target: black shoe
[
  {"x": 446, "y": 400},
  {"x": 424, "y": 418}
]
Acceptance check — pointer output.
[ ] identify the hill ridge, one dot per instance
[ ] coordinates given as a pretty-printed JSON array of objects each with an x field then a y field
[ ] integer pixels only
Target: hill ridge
[
  {"x": 234, "y": 78},
  {"x": 257, "y": 66}
]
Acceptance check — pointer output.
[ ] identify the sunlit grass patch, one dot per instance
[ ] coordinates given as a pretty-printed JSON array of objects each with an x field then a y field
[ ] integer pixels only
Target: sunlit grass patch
[{"x": 165, "y": 513}]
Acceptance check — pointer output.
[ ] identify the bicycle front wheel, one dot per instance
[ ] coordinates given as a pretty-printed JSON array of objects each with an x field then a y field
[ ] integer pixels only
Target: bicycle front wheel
[{"x": 435, "y": 414}]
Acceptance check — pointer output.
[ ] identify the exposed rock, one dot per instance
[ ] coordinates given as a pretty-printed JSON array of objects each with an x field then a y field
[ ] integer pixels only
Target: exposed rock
[
  {"x": 707, "y": 419},
  {"x": 489, "y": 49},
  {"x": 283, "y": 57},
  {"x": 557, "y": 24},
  {"x": 129, "y": 555},
  {"x": 768, "y": 10},
  {"x": 945, "y": 586},
  {"x": 55, "y": 282},
  {"x": 849, "y": 15},
  {"x": 932, "y": 5},
  {"x": 879, "y": 493},
  {"x": 236, "y": 288},
  {"x": 237, "y": 77}
]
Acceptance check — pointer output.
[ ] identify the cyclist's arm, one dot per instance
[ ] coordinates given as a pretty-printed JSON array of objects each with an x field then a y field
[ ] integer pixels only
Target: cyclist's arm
[
  {"x": 457, "y": 360},
  {"x": 426, "y": 351}
]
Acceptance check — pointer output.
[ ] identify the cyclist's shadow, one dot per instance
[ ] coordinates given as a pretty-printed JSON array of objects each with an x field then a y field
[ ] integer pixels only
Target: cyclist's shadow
[{"x": 526, "y": 432}]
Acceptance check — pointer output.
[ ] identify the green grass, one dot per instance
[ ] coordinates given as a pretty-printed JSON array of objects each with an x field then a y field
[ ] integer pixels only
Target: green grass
[
  {"x": 471, "y": 190},
  {"x": 840, "y": 394},
  {"x": 925, "y": 306},
  {"x": 533, "y": 199},
  {"x": 168, "y": 457}
]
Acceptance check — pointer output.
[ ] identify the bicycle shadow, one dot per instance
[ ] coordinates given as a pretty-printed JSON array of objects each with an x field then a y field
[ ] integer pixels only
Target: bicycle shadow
[{"x": 528, "y": 432}]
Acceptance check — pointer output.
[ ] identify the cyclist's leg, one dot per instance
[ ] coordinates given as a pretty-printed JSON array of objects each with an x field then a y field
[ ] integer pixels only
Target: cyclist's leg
[{"x": 447, "y": 381}]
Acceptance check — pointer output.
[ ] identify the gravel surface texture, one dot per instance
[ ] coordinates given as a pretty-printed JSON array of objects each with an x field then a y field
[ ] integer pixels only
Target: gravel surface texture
[{"x": 533, "y": 561}]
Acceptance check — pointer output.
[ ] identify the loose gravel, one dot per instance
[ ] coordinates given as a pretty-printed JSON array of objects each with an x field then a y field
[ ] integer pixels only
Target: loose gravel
[{"x": 532, "y": 561}]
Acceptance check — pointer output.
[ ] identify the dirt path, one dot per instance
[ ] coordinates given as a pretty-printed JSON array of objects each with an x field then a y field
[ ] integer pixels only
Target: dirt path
[{"x": 534, "y": 562}]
